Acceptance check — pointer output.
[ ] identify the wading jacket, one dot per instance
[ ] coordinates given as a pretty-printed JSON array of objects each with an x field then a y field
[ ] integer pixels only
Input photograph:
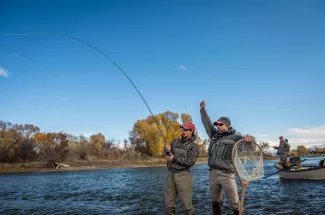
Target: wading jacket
[
  {"x": 221, "y": 145},
  {"x": 284, "y": 148},
  {"x": 185, "y": 154}
]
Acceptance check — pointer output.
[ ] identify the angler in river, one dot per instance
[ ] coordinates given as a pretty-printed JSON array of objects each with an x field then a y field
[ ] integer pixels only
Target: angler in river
[
  {"x": 221, "y": 168},
  {"x": 181, "y": 156}
]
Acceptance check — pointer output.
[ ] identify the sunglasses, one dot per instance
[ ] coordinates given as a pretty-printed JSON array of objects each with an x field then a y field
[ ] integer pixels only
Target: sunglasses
[
  {"x": 219, "y": 124},
  {"x": 185, "y": 129}
]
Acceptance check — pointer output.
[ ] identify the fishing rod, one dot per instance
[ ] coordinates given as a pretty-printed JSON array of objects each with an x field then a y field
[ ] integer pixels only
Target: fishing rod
[{"x": 102, "y": 53}]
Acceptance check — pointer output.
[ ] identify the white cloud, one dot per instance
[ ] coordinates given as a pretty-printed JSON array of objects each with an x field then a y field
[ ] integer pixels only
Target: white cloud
[
  {"x": 181, "y": 67},
  {"x": 312, "y": 136},
  {"x": 312, "y": 132},
  {"x": 18, "y": 56},
  {"x": 4, "y": 73},
  {"x": 309, "y": 137}
]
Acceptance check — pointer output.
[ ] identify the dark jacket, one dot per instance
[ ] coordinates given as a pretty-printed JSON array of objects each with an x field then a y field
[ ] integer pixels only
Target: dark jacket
[
  {"x": 284, "y": 148},
  {"x": 185, "y": 154},
  {"x": 221, "y": 145}
]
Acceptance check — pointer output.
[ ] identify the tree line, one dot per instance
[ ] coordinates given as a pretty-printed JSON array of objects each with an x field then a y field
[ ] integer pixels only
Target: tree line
[
  {"x": 26, "y": 142},
  {"x": 300, "y": 151},
  {"x": 305, "y": 151}
]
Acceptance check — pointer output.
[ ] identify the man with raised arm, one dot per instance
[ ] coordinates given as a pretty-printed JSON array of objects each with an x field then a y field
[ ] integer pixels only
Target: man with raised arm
[{"x": 221, "y": 169}]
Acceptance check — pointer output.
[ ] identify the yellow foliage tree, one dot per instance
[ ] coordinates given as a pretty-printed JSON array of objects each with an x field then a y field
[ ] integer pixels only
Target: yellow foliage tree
[
  {"x": 97, "y": 141},
  {"x": 52, "y": 146},
  {"x": 302, "y": 150},
  {"x": 186, "y": 118},
  {"x": 10, "y": 138},
  {"x": 149, "y": 135}
]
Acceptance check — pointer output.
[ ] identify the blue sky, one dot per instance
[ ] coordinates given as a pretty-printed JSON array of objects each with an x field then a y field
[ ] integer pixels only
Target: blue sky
[{"x": 261, "y": 63}]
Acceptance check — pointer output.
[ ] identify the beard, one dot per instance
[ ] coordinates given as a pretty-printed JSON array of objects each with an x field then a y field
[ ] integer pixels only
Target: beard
[
  {"x": 184, "y": 137},
  {"x": 220, "y": 131}
]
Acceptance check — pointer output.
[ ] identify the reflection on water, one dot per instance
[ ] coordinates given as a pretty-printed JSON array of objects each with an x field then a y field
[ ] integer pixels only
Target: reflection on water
[{"x": 141, "y": 191}]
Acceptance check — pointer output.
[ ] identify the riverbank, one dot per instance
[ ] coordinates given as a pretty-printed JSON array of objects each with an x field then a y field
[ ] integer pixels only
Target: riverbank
[
  {"x": 85, "y": 165},
  {"x": 91, "y": 165}
]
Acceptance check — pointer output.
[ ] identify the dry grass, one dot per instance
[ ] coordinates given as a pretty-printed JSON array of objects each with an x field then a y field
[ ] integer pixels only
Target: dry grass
[{"x": 87, "y": 165}]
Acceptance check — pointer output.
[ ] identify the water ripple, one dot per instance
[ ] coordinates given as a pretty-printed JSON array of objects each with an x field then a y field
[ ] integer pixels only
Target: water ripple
[{"x": 141, "y": 191}]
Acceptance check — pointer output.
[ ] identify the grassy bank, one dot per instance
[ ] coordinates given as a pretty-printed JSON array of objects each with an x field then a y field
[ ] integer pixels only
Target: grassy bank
[
  {"x": 271, "y": 158},
  {"x": 86, "y": 165},
  {"x": 91, "y": 165}
]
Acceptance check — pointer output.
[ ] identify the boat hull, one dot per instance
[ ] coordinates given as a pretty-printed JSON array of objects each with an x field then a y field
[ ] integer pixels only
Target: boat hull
[
  {"x": 302, "y": 172},
  {"x": 311, "y": 173}
]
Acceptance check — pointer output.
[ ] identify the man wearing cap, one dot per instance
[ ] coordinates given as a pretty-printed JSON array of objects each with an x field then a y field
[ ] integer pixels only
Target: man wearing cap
[
  {"x": 221, "y": 169},
  {"x": 181, "y": 156},
  {"x": 283, "y": 151}
]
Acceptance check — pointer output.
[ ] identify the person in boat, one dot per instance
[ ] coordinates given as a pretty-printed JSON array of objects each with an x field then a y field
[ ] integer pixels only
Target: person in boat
[
  {"x": 283, "y": 151},
  {"x": 181, "y": 156},
  {"x": 221, "y": 168},
  {"x": 287, "y": 141}
]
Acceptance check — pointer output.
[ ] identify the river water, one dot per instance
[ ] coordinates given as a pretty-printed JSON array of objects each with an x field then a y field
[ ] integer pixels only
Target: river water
[{"x": 141, "y": 191}]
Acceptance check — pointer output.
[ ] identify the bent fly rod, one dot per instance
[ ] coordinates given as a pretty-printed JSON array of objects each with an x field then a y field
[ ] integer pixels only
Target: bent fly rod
[{"x": 102, "y": 53}]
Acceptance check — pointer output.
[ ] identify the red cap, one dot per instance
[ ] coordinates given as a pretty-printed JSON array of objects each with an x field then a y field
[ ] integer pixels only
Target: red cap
[{"x": 188, "y": 125}]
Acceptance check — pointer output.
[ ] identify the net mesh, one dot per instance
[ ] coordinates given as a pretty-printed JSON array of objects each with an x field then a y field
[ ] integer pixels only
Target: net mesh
[{"x": 248, "y": 161}]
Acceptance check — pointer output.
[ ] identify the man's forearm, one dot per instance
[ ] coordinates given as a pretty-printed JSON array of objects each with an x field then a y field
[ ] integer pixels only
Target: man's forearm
[
  {"x": 207, "y": 122},
  {"x": 190, "y": 160}
]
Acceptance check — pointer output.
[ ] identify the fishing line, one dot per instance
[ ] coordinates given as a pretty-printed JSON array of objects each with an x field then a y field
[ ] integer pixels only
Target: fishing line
[{"x": 102, "y": 53}]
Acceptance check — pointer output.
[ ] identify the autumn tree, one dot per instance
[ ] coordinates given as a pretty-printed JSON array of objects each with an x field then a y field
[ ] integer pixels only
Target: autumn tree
[
  {"x": 137, "y": 142},
  {"x": 186, "y": 118},
  {"x": 293, "y": 153},
  {"x": 149, "y": 135},
  {"x": 26, "y": 149},
  {"x": 96, "y": 142},
  {"x": 126, "y": 144},
  {"x": 25, "y": 142},
  {"x": 111, "y": 150},
  {"x": 265, "y": 146},
  {"x": 10, "y": 138},
  {"x": 319, "y": 150},
  {"x": 203, "y": 147},
  {"x": 74, "y": 147},
  {"x": 52, "y": 146},
  {"x": 301, "y": 150}
]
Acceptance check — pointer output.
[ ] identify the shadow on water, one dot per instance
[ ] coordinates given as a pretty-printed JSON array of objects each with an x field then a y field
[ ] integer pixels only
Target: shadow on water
[{"x": 141, "y": 191}]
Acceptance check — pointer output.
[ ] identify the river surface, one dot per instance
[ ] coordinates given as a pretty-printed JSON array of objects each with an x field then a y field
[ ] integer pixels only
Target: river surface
[{"x": 141, "y": 191}]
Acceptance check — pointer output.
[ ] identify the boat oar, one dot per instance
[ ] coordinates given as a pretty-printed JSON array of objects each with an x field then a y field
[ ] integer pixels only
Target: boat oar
[{"x": 284, "y": 169}]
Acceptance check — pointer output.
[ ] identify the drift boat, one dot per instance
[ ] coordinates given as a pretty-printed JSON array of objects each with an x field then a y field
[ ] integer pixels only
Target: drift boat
[{"x": 297, "y": 171}]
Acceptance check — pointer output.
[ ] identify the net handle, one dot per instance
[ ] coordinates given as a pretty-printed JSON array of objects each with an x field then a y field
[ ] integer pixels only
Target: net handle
[
  {"x": 243, "y": 184},
  {"x": 242, "y": 199}
]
